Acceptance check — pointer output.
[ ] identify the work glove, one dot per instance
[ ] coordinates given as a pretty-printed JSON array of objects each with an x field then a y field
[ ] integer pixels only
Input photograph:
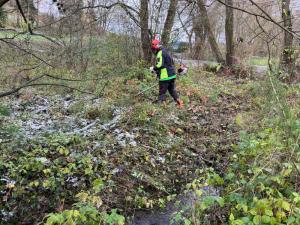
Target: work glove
[
  {"x": 152, "y": 69},
  {"x": 182, "y": 70}
]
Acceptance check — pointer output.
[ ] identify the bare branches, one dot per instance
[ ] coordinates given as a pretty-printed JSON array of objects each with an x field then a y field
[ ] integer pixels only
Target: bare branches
[
  {"x": 59, "y": 85},
  {"x": 18, "y": 33},
  {"x": 15, "y": 90},
  {"x": 31, "y": 83},
  {"x": 121, "y": 4},
  {"x": 265, "y": 16},
  {"x": 70, "y": 80},
  {"x": 128, "y": 9},
  {"x": 46, "y": 37},
  {"x": 27, "y": 52}
]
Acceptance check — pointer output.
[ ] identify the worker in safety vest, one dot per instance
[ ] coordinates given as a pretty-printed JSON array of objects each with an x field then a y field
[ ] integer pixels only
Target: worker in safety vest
[{"x": 165, "y": 70}]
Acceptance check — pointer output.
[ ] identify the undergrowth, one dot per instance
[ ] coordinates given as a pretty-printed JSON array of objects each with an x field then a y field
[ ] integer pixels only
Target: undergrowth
[
  {"x": 261, "y": 182},
  {"x": 239, "y": 136},
  {"x": 103, "y": 178}
]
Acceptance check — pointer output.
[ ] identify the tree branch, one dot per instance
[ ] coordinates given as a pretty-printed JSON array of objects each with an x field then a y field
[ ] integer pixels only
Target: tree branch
[
  {"x": 15, "y": 90},
  {"x": 59, "y": 85},
  {"x": 124, "y": 6},
  {"x": 29, "y": 84},
  {"x": 27, "y": 52},
  {"x": 70, "y": 80},
  {"x": 266, "y": 17},
  {"x": 2, "y": 2}
]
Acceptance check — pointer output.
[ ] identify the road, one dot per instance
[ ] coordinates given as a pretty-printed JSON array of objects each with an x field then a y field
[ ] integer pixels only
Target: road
[{"x": 201, "y": 63}]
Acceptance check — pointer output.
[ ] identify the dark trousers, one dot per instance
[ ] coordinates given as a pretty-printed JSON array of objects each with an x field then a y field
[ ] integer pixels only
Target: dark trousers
[{"x": 164, "y": 86}]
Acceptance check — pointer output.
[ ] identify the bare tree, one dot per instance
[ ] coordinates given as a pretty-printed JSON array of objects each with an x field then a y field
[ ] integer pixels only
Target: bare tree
[
  {"x": 200, "y": 36},
  {"x": 229, "y": 28},
  {"x": 169, "y": 22},
  {"x": 144, "y": 24},
  {"x": 212, "y": 40},
  {"x": 288, "y": 59}
]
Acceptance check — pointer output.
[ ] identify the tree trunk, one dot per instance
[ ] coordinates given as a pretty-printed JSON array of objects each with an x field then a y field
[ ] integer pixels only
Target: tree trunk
[
  {"x": 212, "y": 41},
  {"x": 144, "y": 17},
  {"x": 229, "y": 27},
  {"x": 200, "y": 37},
  {"x": 157, "y": 16},
  {"x": 288, "y": 57},
  {"x": 169, "y": 22}
]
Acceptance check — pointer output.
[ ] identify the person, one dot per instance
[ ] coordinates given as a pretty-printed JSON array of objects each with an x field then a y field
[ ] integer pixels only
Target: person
[{"x": 165, "y": 70}]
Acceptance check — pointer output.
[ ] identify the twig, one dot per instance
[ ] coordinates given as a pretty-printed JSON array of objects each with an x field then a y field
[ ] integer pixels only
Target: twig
[
  {"x": 87, "y": 127},
  {"x": 266, "y": 16},
  {"x": 29, "y": 84},
  {"x": 71, "y": 80},
  {"x": 15, "y": 90},
  {"x": 147, "y": 89},
  {"x": 29, "y": 53},
  {"x": 59, "y": 85}
]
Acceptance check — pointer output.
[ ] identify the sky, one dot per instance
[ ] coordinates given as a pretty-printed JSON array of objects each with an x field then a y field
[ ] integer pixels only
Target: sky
[{"x": 47, "y": 6}]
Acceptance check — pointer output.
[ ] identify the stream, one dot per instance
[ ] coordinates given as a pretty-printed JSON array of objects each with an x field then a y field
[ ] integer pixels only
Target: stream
[{"x": 175, "y": 211}]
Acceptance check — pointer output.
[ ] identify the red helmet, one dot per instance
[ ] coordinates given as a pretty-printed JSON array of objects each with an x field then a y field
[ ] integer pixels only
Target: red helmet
[{"x": 155, "y": 44}]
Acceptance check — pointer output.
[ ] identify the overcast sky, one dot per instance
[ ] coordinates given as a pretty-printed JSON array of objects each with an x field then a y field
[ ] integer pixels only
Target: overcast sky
[{"x": 47, "y": 6}]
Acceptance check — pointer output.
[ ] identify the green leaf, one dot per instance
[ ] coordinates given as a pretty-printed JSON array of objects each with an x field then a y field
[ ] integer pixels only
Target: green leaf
[
  {"x": 199, "y": 193},
  {"x": 219, "y": 66},
  {"x": 296, "y": 200},
  {"x": 220, "y": 200},
  {"x": 210, "y": 200},
  {"x": 239, "y": 222},
  {"x": 242, "y": 206},
  {"x": 246, "y": 220},
  {"x": 115, "y": 219},
  {"x": 268, "y": 212},
  {"x": 256, "y": 219},
  {"x": 54, "y": 219},
  {"x": 187, "y": 222},
  {"x": 70, "y": 221},
  {"x": 286, "y": 206},
  {"x": 291, "y": 220},
  {"x": 287, "y": 172},
  {"x": 253, "y": 212},
  {"x": 265, "y": 219},
  {"x": 280, "y": 215},
  {"x": 273, "y": 221},
  {"x": 229, "y": 176},
  {"x": 218, "y": 179},
  {"x": 231, "y": 217},
  {"x": 98, "y": 185}
]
